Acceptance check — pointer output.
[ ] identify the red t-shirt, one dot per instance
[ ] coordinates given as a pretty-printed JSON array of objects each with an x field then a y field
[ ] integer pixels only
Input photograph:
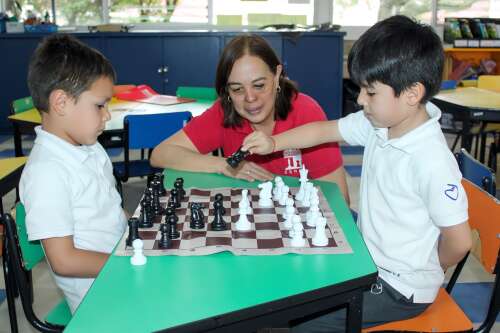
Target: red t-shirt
[{"x": 207, "y": 133}]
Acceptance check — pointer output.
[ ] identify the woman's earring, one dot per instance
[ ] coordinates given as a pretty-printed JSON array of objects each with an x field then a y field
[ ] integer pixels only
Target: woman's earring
[
  {"x": 278, "y": 89},
  {"x": 229, "y": 99}
]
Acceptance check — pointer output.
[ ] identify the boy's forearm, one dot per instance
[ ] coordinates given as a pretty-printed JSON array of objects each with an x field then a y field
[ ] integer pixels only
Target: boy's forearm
[
  {"x": 454, "y": 243},
  {"x": 83, "y": 263},
  {"x": 177, "y": 157},
  {"x": 308, "y": 135}
]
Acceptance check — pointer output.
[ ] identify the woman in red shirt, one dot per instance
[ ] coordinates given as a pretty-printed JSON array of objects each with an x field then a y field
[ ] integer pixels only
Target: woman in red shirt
[{"x": 254, "y": 94}]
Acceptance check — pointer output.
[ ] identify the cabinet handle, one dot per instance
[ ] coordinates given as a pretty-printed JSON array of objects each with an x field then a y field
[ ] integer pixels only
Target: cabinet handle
[
  {"x": 160, "y": 70},
  {"x": 166, "y": 80},
  {"x": 165, "y": 69}
]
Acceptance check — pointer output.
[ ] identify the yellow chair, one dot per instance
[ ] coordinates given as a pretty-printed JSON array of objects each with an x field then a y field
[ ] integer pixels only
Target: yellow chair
[
  {"x": 444, "y": 315},
  {"x": 22, "y": 104},
  {"x": 10, "y": 173},
  {"x": 489, "y": 82}
]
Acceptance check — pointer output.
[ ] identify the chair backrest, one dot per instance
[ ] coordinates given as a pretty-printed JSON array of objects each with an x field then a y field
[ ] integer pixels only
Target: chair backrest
[
  {"x": 148, "y": 130},
  {"x": 203, "y": 93},
  {"x": 22, "y": 104},
  {"x": 489, "y": 82},
  {"x": 20, "y": 257},
  {"x": 476, "y": 172}
]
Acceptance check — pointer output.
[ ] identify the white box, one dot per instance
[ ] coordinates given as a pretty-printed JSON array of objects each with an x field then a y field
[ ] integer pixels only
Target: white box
[{"x": 13, "y": 27}]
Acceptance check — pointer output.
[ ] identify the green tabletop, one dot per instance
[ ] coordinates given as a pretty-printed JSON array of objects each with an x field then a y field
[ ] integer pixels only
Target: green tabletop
[{"x": 171, "y": 290}]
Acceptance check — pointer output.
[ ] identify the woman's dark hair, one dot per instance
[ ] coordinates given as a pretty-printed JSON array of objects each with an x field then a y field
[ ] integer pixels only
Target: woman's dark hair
[
  {"x": 398, "y": 52},
  {"x": 63, "y": 62},
  {"x": 256, "y": 46}
]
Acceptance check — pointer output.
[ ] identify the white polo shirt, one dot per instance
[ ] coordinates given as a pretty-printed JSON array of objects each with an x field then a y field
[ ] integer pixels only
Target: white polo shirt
[
  {"x": 70, "y": 190},
  {"x": 410, "y": 187}
]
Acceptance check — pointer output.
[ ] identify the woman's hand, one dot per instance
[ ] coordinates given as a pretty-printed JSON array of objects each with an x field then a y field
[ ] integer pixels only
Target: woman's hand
[
  {"x": 259, "y": 143},
  {"x": 248, "y": 171}
]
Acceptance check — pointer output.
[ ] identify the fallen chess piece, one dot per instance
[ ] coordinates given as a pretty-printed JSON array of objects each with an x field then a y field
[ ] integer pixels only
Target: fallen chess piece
[
  {"x": 235, "y": 159},
  {"x": 138, "y": 259}
]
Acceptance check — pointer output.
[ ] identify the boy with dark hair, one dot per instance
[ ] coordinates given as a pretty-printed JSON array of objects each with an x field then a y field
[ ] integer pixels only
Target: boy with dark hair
[
  {"x": 413, "y": 209},
  {"x": 67, "y": 186}
]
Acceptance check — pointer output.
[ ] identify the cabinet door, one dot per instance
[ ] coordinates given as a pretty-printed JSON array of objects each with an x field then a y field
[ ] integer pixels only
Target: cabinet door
[
  {"x": 315, "y": 63},
  {"x": 94, "y": 41},
  {"x": 189, "y": 61},
  {"x": 14, "y": 62},
  {"x": 137, "y": 60}
]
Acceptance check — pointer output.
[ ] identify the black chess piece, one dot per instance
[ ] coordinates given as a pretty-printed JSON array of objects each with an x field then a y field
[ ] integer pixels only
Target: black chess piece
[
  {"x": 197, "y": 216},
  {"x": 179, "y": 186},
  {"x": 235, "y": 159},
  {"x": 157, "y": 209},
  {"x": 164, "y": 241},
  {"x": 174, "y": 196},
  {"x": 218, "y": 224},
  {"x": 133, "y": 230},
  {"x": 169, "y": 211},
  {"x": 146, "y": 216},
  {"x": 172, "y": 225},
  {"x": 161, "y": 177}
]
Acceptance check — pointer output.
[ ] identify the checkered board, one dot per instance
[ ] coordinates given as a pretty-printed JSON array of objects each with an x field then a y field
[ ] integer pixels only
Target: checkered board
[{"x": 267, "y": 237}]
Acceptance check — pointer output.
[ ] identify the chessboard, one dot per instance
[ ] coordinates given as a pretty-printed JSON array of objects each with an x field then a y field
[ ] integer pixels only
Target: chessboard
[{"x": 267, "y": 236}]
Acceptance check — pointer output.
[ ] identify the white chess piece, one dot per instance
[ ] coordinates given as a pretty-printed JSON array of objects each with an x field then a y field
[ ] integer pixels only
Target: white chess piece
[
  {"x": 307, "y": 195},
  {"x": 297, "y": 238},
  {"x": 295, "y": 220},
  {"x": 284, "y": 195},
  {"x": 243, "y": 224},
  {"x": 289, "y": 212},
  {"x": 277, "y": 188},
  {"x": 244, "y": 204},
  {"x": 303, "y": 174},
  {"x": 265, "y": 195},
  {"x": 320, "y": 238},
  {"x": 138, "y": 259},
  {"x": 300, "y": 194},
  {"x": 312, "y": 216}
]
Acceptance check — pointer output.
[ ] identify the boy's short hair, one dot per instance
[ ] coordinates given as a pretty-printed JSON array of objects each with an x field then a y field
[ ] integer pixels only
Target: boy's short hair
[
  {"x": 63, "y": 62},
  {"x": 398, "y": 52}
]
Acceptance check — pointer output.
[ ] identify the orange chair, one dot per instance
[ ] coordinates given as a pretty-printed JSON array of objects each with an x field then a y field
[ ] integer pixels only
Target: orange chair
[{"x": 444, "y": 315}]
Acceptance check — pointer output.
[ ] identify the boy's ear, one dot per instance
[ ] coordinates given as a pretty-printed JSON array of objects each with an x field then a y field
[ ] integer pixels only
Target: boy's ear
[
  {"x": 415, "y": 94},
  {"x": 57, "y": 101}
]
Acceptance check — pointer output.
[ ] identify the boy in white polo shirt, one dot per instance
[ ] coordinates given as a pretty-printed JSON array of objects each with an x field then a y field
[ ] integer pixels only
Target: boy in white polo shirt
[
  {"x": 67, "y": 186},
  {"x": 413, "y": 209}
]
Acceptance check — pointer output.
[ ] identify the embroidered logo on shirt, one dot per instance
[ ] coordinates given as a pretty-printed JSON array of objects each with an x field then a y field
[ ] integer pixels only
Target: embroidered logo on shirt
[
  {"x": 294, "y": 160},
  {"x": 452, "y": 191}
]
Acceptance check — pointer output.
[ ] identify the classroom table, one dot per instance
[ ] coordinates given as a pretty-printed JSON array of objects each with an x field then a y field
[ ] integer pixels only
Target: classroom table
[
  {"x": 468, "y": 105},
  {"x": 10, "y": 173},
  {"x": 224, "y": 292},
  {"x": 26, "y": 121}
]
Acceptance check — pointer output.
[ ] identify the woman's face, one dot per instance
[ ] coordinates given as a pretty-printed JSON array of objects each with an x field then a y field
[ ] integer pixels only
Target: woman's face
[{"x": 252, "y": 89}]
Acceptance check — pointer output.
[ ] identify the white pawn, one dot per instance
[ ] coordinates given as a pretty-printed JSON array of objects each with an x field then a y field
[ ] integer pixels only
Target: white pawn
[
  {"x": 289, "y": 212},
  {"x": 243, "y": 224},
  {"x": 295, "y": 220},
  {"x": 244, "y": 204},
  {"x": 277, "y": 188},
  {"x": 265, "y": 195},
  {"x": 284, "y": 195},
  {"x": 138, "y": 259},
  {"x": 312, "y": 216},
  {"x": 320, "y": 238},
  {"x": 297, "y": 238}
]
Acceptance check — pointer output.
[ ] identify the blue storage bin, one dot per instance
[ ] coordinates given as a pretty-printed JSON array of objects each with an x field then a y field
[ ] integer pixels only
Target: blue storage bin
[
  {"x": 448, "y": 84},
  {"x": 40, "y": 28}
]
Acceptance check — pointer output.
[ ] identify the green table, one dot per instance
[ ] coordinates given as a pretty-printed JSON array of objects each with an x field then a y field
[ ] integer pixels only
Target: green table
[{"x": 224, "y": 292}]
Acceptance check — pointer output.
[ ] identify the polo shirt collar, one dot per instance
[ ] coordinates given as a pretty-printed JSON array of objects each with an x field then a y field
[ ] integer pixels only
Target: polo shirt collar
[
  {"x": 407, "y": 141},
  {"x": 60, "y": 146}
]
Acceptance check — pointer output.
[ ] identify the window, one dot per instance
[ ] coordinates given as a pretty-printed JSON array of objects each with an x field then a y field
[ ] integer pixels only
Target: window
[
  {"x": 467, "y": 8},
  {"x": 78, "y": 12},
  {"x": 369, "y": 12},
  {"x": 259, "y": 13},
  {"x": 23, "y": 9},
  {"x": 158, "y": 11}
]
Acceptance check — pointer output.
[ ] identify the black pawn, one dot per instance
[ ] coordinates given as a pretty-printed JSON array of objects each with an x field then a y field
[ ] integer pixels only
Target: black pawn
[
  {"x": 172, "y": 224},
  {"x": 161, "y": 177},
  {"x": 156, "y": 205},
  {"x": 146, "y": 217},
  {"x": 174, "y": 197},
  {"x": 179, "y": 185},
  {"x": 164, "y": 241},
  {"x": 197, "y": 216},
  {"x": 218, "y": 224},
  {"x": 133, "y": 230}
]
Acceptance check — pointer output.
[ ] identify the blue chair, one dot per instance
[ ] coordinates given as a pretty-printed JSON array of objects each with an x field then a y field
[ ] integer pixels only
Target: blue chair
[
  {"x": 476, "y": 172},
  {"x": 145, "y": 131}
]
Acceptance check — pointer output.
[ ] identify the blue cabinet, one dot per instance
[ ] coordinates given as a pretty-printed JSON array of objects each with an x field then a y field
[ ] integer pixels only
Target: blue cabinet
[
  {"x": 315, "y": 62},
  {"x": 166, "y": 60}
]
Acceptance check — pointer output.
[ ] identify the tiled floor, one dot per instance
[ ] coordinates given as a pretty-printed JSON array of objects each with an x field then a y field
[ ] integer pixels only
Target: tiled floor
[{"x": 470, "y": 291}]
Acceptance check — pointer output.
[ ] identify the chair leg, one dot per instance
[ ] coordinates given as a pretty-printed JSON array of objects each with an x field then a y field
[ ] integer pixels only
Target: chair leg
[
  {"x": 492, "y": 158},
  {"x": 454, "y": 145},
  {"x": 10, "y": 288},
  {"x": 482, "y": 148}
]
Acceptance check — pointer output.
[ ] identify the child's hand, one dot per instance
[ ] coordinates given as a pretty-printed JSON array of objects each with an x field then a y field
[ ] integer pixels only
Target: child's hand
[{"x": 259, "y": 143}]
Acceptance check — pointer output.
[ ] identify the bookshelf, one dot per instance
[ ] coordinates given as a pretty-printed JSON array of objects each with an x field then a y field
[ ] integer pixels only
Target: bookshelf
[{"x": 472, "y": 55}]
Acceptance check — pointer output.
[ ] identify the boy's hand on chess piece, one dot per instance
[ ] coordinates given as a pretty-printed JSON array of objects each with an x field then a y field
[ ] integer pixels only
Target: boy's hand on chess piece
[
  {"x": 248, "y": 171},
  {"x": 259, "y": 143}
]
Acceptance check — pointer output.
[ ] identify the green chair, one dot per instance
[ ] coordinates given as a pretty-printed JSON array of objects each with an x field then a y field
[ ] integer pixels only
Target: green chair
[
  {"x": 22, "y": 104},
  {"x": 199, "y": 93},
  {"x": 20, "y": 256}
]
